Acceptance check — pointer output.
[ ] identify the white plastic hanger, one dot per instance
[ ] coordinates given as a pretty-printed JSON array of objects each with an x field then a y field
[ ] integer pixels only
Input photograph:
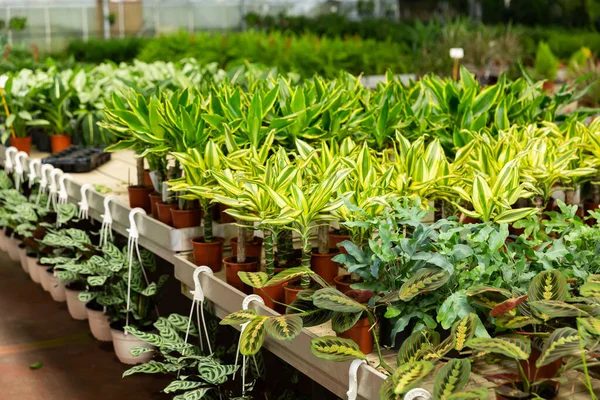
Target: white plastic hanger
[
  {"x": 107, "y": 220},
  {"x": 84, "y": 207}
]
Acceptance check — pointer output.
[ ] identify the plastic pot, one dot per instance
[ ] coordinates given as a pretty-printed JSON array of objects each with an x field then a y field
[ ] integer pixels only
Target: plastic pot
[
  {"x": 253, "y": 248},
  {"x": 164, "y": 212},
  {"x": 57, "y": 290},
  {"x": 45, "y": 275},
  {"x": 13, "y": 250},
  {"x": 323, "y": 265},
  {"x": 23, "y": 257},
  {"x": 76, "y": 307},
  {"x": 59, "y": 142},
  {"x": 123, "y": 343},
  {"x": 223, "y": 216},
  {"x": 154, "y": 199},
  {"x": 335, "y": 238},
  {"x": 147, "y": 178},
  {"x": 290, "y": 293},
  {"x": 361, "y": 334},
  {"x": 139, "y": 196},
  {"x": 208, "y": 253},
  {"x": 340, "y": 284},
  {"x": 35, "y": 271},
  {"x": 273, "y": 293},
  {"x": 22, "y": 143},
  {"x": 186, "y": 218},
  {"x": 232, "y": 267},
  {"x": 98, "y": 321}
]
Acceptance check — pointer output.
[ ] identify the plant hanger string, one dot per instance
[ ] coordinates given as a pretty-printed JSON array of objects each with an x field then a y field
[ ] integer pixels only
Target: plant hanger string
[
  {"x": 245, "y": 304},
  {"x": 107, "y": 220},
  {"x": 44, "y": 169}
]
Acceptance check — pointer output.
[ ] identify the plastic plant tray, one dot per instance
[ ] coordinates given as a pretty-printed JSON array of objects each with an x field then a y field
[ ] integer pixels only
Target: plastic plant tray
[{"x": 78, "y": 159}]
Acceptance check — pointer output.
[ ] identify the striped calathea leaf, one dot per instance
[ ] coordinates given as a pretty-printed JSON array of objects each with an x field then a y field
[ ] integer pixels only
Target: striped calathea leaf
[
  {"x": 424, "y": 281},
  {"x": 549, "y": 309},
  {"x": 563, "y": 342},
  {"x": 334, "y": 300},
  {"x": 386, "y": 392},
  {"x": 178, "y": 385},
  {"x": 311, "y": 315},
  {"x": 548, "y": 285},
  {"x": 284, "y": 327},
  {"x": 333, "y": 348},
  {"x": 195, "y": 394},
  {"x": 254, "y": 279},
  {"x": 239, "y": 317},
  {"x": 451, "y": 378},
  {"x": 515, "y": 347},
  {"x": 410, "y": 375},
  {"x": 473, "y": 394},
  {"x": 341, "y": 322},
  {"x": 488, "y": 296},
  {"x": 464, "y": 329},
  {"x": 151, "y": 367},
  {"x": 182, "y": 324},
  {"x": 253, "y": 336},
  {"x": 411, "y": 348}
]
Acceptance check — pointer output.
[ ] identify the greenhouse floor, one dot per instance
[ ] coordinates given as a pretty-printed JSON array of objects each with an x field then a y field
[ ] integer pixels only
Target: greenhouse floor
[{"x": 74, "y": 366}]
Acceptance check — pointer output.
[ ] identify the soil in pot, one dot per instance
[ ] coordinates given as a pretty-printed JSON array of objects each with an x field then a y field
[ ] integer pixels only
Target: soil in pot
[
  {"x": 139, "y": 196},
  {"x": 22, "y": 143},
  {"x": 123, "y": 343},
  {"x": 547, "y": 391},
  {"x": 186, "y": 218},
  {"x": 59, "y": 142},
  {"x": 98, "y": 321},
  {"x": 361, "y": 334},
  {"x": 164, "y": 212},
  {"x": 335, "y": 238},
  {"x": 253, "y": 248},
  {"x": 232, "y": 267},
  {"x": 323, "y": 265},
  {"x": 76, "y": 307},
  {"x": 154, "y": 199},
  {"x": 208, "y": 253}
]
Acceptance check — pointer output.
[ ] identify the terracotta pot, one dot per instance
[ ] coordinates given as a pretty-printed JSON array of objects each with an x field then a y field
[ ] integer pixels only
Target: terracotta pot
[
  {"x": 270, "y": 294},
  {"x": 323, "y": 265},
  {"x": 76, "y": 307},
  {"x": 232, "y": 268},
  {"x": 22, "y": 143},
  {"x": 253, "y": 248},
  {"x": 465, "y": 219},
  {"x": 99, "y": 324},
  {"x": 154, "y": 199},
  {"x": 147, "y": 179},
  {"x": 186, "y": 218},
  {"x": 548, "y": 87},
  {"x": 335, "y": 238},
  {"x": 545, "y": 372},
  {"x": 139, "y": 196},
  {"x": 124, "y": 343},
  {"x": 361, "y": 334},
  {"x": 164, "y": 212},
  {"x": 209, "y": 254},
  {"x": 290, "y": 294},
  {"x": 223, "y": 216},
  {"x": 57, "y": 290},
  {"x": 340, "y": 284},
  {"x": 59, "y": 142}
]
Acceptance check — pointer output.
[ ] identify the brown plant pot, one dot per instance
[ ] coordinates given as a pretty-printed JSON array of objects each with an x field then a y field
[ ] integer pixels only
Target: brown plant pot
[
  {"x": 290, "y": 293},
  {"x": 139, "y": 196},
  {"x": 335, "y": 238},
  {"x": 154, "y": 199},
  {"x": 553, "y": 389},
  {"x": 361, "y": 334},
  {"x": 164, "y": 212},
  {"x": 223, "y": 216},
  {"x": 209, "y": 254},
  {"x": 589, "y": 206},
  {"x": 253, "y": 248},
  {"x": 323, "y": 265},
  {"x": 59, "y": 142},
  {"x": 548, "y": 87},
  {"x": 232, "y": 267},
  {"x": 340, "y": 284},
  {"x": 273, "y": 293},
  {"x": 545, "y": 372},
  {"x": 465, "y": 219},
  {"x": 147, "y": 179},
  {"x": 186, "y": 218},
  {"x": 22, "y": 143}
]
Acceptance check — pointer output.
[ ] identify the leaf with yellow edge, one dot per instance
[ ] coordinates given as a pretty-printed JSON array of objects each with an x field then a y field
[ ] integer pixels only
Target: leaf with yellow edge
[
  {"x": 451, "y": 378},
  {"x": 409, "y": 375},
  {"x": 424, "y": 281},
  {"x": 517, "y": 348},
  {"x": 253, "y": 336},
  {"x": 563, "y": 342},
  {"x": 333, "y": 348},
  {"x": 239, "y": 317},
  {"x": 254, "y": 279},
  {"x": 464, "y": 329},
  {"x": 548, "y": 285},
  {"x": 284, "y": 327}
]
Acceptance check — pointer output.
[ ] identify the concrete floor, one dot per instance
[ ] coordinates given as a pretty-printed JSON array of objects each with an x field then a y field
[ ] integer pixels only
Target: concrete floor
[{"x": 33, "y": 328}]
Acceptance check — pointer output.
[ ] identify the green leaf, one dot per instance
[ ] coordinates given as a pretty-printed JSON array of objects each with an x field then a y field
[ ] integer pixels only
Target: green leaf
[
  {"x": 424, "y": 281},
  {"x": 151, "y": 367},
  {"x": 464, "y": 330},
  {"x": 181, "y": 322},
  {"x": 474, "y": 394},
  {"x": 517, "y": 348},
  {"x": 451, "y": 378},
  {"x": 386, "y": 392},
  {"x": 548, "y": 285},
  {"x": 181, "y": 385},
  {"x": 341, "y": 322},
  {"x": 334, "y": 300},
  {"x": 410, "y": 375},
  {"x": 146, "y": 337},
  {"x": 253, "y": 336},
  {"x": 239, "y": 317},
  {"x": 548, "y": 309},
  {"x": 193, "y": 395},
  {"x": 288, "y": 274},
  {"x": 417, "y": 341},
  {"x": 36, "y": 365},
  {"x": 285, "y": 327},
  {"x": 337, "y": 349},
  {"x": 254, "y": 279},
  {"x": 563, "y": 342},
  {"x": 515, "y": 322}
]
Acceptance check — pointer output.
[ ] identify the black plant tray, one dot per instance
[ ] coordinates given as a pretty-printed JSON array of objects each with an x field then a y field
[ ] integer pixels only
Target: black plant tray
[{"x": 78, "y": 159}]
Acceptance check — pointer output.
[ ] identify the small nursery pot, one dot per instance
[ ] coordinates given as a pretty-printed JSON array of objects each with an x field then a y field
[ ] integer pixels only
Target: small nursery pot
[
  {"x": 57, "y": 289},
  {"x": 232, "y": 268},
  {"x": 13, "y": 250},
  {"x": 45, "y": 275},
  {"x": 224, "y": 218},
  {"x": 270, "y": 294},
  {"x": 253, "y": 248},
  {"x": 76, "y": 307},
  {"x": 290, "y": 293},
  {"x": 139, "y": 196},
  {"x": 164, "y": 212},
  {"x": 546, "y": 372},
  {"x": 361, "y": 334},
  {"x": 59, "y": 142},
  {"x": 154, "y": 199},
  {"x": 123, "y": 343},
  {"x": 22, "y": 143},
  {"x": 340, "y": 283},
  {"x": 186, "y": 218},
  {"x": 324, "y": 266},
  {"x": 98, "y": 321},
  {"x": 35, "y": 271},
  {"x": 209, "y": 254},
  {"x": 335, "y": 238},
  {"x": 23, "y": 258}
]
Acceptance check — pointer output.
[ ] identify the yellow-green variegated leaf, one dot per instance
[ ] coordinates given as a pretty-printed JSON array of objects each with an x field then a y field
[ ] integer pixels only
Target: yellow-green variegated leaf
[
  {"x": 590, "y": 325},
  {"x": 517, "y": 348},
  {"x": 409, "y": 375},
  {"x": 424, "y": 281},
  {"x": 548, "y": 309},
  {"x": 514, "y": 322},
  {"x": 472, "y": 394},
  {"x": 512, "y": 215},
  {"x": 590, "y": 289},
  {"x": 253, "y": 336},
  {"x": 288, "y": 274},
  {"x": 563, "y": 342},
  {"x": 593, "y": 278},
  {"x": 417, "y": 341},
  {"x": 284, "y": 327},
  {"x": 482, "y": 198},
  {"x": 488, "y": 296},
  {"x": 239, "y": 317},
  {"x": 451, "y": 378},
  {"x": 386, "y": 392},
  {"x": 334, "y": 348},
  {"x": 548, "y": 285},
  {"x": 254, "y": 279},
  {"x": 334, "y": 300},
  {"x": 464, "y": 330}
]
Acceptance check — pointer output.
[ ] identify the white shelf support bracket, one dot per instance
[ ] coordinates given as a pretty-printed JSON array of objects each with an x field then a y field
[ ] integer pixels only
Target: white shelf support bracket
[
  {"x": 353, "y": 379},
  {"x": 53, "y": 188},
  {"x": 63, "y": 196},
  {"x": 44, "y": 169}
]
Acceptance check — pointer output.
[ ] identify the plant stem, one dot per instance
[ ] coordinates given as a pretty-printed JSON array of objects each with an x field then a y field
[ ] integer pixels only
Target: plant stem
[
  {"x": 306, "y": 255},
  {"x": 569, "y": 195},
  {"x": 323, "y": 232},
  {"x": 375, "y": 332},
  {"x": 139, "y": 165},
  {"x": 285, "y": 247},
  {"x": 241, "y": 243},
  {"x": 588, "y": 381},
  {"x": 269, "y": 252},
  {"x": 208, "y": 223}
]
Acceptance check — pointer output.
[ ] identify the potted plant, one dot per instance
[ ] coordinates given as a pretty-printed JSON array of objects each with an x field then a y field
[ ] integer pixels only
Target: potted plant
[
  {"x": 546, "y": 66},
  {"x": 56, "y": 110}
]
